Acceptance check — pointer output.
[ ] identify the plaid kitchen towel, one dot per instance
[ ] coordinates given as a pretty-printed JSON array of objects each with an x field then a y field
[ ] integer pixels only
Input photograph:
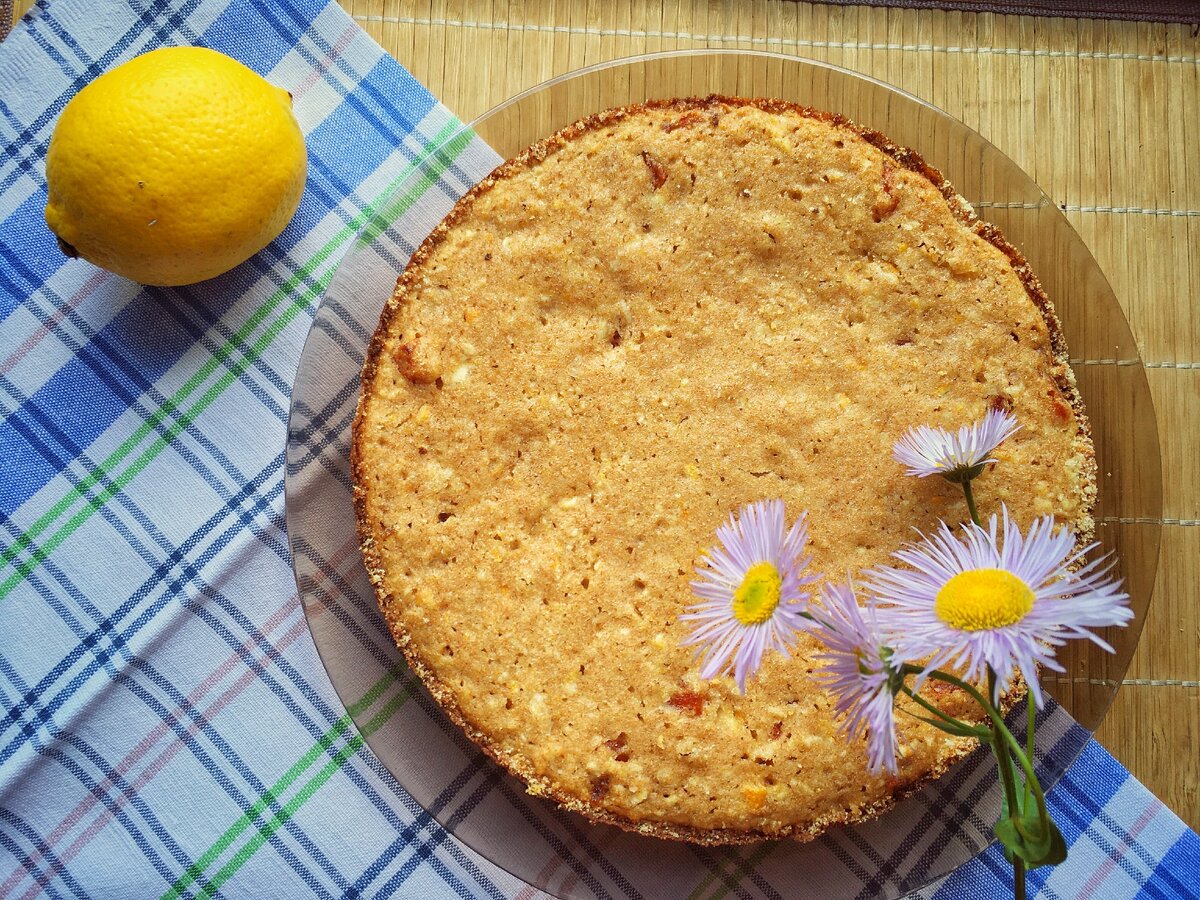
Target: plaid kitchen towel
[{"x": 168, "y": 726}]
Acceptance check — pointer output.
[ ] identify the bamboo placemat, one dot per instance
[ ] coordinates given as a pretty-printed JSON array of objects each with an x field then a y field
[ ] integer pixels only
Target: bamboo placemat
[{"x": 1104, "y": 115}]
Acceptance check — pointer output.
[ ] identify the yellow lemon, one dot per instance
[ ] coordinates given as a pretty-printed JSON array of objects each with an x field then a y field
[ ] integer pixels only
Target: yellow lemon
[{"x": 174, "y": 167}]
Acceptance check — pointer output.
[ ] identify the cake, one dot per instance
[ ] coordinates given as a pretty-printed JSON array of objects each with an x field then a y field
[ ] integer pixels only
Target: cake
[{"x": 625, "y": 333}]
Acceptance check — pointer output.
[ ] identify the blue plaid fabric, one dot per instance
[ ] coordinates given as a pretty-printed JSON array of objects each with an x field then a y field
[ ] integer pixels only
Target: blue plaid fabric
[{"x": 168, "y": 727}]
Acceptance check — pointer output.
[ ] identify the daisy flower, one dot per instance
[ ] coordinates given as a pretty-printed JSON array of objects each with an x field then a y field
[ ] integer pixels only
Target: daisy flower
[
  {"x": 998, "y": 599},
  {"x": 751, "y": 592},
  {"x": 861, "y": 673},
  {"x": 956, "y": 457}
]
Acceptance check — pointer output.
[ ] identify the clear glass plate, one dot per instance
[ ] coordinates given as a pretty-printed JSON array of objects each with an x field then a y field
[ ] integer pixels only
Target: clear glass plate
[{"x": 947, "y": 822}]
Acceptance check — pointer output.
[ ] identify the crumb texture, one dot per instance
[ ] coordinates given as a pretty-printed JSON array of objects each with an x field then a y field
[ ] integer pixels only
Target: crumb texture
[{"x": 623, "y": 335}]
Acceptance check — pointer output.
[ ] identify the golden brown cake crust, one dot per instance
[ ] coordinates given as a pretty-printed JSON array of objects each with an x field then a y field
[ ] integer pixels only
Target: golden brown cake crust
[{"x": 403, "y": 373}]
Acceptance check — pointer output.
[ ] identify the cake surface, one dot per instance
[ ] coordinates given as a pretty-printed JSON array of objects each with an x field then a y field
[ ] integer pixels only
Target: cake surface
[{"x": 635, "y": 327}]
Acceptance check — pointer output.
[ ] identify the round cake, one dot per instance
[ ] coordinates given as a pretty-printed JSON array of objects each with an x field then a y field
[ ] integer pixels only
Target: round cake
[{"x": 629, "y": 331}]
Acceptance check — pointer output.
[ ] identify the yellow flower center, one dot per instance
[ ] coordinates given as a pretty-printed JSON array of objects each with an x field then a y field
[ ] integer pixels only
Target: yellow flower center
[
  {"x": 981, "y": 599},
  {"x": 756, "y": 598}
]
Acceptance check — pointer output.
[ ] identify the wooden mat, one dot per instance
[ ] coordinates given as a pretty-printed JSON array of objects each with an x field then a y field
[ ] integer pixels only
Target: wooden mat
[{"x": 1104, "y": 115}]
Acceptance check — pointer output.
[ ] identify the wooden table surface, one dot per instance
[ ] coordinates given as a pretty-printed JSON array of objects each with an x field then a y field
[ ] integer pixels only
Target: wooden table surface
[{"x": 1104, "y": 115}]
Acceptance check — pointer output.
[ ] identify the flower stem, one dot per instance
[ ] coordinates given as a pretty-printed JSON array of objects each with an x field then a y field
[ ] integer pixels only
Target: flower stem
[
  {"x": 1008, "y": 779},
  {"x": 1004, "y": 761},
  {"x": 1030, "y": 726},
  {"x": 1003, "y": 734},
  {"x": 966, "y": 486},
  {"x": 1007, "y": 776},
  {"x": 959, "y": 727},
  {"x": 1026, "y": 762},
  {"x": 999, "y": 731},
  {"x": 939, "y": 675},
  {"x": 1030, "y": 777}
]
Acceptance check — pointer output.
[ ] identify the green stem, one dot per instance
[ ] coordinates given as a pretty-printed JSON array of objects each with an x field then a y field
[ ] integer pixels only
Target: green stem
[
  {"x": 1004, "y": 763},
  {"x": 1030, "y": 725},
  {"x": 961, "y": 727},
  {"x": 1026, "y": 761},
  {"x": 1006, "y": 748},
  {"x": 939, "y": 675},
  {"x": 1002, "y": 757},
  {"x": 1030, "y": 777},
  {"x": 986, "y": 737},
  {"x": 1000, "y": 730},
  {"x": 966, "y": 486}
]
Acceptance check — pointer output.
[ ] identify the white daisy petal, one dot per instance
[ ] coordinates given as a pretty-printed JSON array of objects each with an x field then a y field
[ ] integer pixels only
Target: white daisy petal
[
  {"x": 726, "y": 644},
  {"x": 1036, "y": 604},
  {"x": 929, "y": 451},
  {"x": 857, "y": 674}
]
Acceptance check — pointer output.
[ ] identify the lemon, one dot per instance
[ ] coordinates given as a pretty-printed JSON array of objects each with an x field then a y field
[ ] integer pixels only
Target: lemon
[{"x": 174, "y": 167}]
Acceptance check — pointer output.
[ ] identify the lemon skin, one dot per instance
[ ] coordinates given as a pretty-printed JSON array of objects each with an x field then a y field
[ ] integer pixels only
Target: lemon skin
[{"x": 174, "y": 167}]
